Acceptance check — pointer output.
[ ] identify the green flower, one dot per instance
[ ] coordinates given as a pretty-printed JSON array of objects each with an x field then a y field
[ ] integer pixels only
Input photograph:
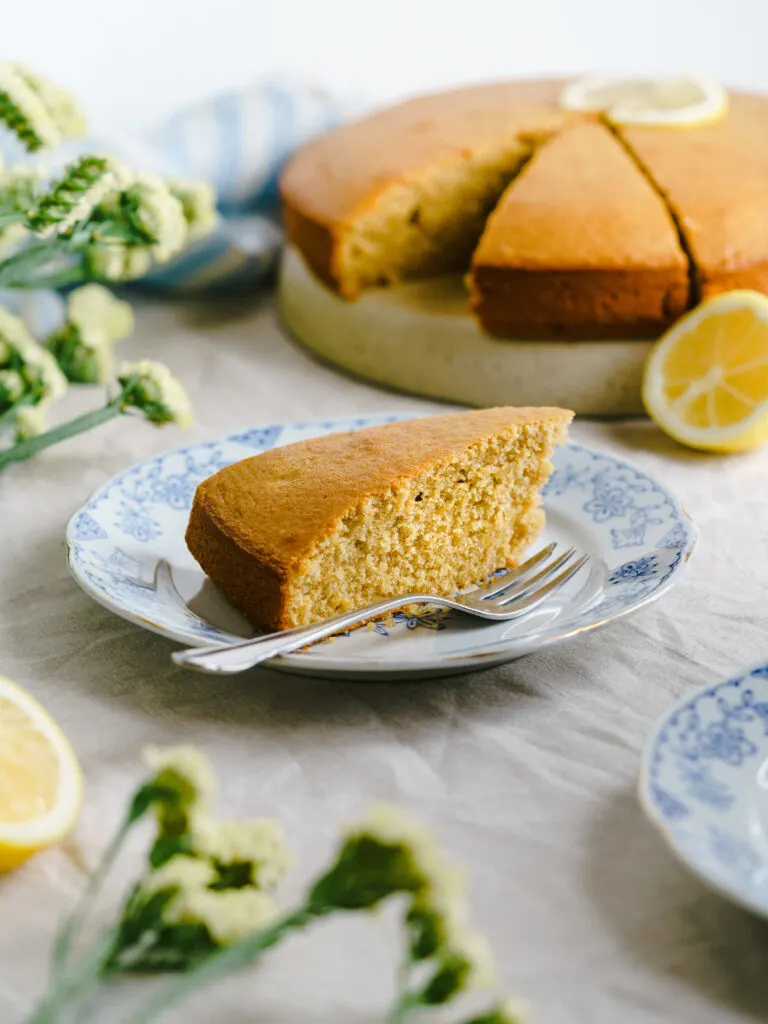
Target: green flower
[
  {"x": 85, "y": 357},
  {"x": 466, "y": 964},
  {"x": 183, "y": 772},
  {"x": 73, "y": 199},
  {"x": 151, "y": 388},
  {"x": 96, "y": 320},
  {"x": 386, "y": 853}
]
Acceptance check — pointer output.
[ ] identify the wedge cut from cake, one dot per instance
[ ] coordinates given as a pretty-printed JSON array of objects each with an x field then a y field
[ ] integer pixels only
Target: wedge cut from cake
[
  {"x": 580, "y": 245},
  {"x": 334, "y": 523},
  {"x": 404, "y": 193},
  {"x": 715, "y": 180}
]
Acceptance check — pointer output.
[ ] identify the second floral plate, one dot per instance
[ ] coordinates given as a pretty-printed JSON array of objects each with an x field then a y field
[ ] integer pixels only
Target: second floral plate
[
  {"x": 703, "y": 784},
  {"x": 124, "y": 538}
]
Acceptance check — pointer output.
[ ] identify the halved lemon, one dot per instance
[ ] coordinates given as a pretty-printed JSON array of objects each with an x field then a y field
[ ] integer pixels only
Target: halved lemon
[
  {"x": 40, "y": 780},
  {"x": 706, "y": 380},
  {"x": 674, "y": 102}
]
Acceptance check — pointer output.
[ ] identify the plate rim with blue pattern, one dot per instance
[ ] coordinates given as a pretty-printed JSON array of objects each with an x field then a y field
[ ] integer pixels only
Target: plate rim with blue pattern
[
  {"x": 639, "y": 533},
  {"x": 703, "y": 781}
]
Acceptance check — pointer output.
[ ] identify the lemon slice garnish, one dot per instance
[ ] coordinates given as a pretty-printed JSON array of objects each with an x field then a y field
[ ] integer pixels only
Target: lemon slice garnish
[
  {"x": 683, "y": 101},
  {"x": 706, "y": 380},
  {"x": 40, "y": 779}
]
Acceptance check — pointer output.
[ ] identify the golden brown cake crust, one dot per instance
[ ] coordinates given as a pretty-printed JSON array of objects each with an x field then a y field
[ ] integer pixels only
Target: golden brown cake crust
[
  {"x": 715, "y": 180},
  {"x": 304, "y": 489},
  {"x": 580, "y": 245},
  {"x": 332, "y": 177}
]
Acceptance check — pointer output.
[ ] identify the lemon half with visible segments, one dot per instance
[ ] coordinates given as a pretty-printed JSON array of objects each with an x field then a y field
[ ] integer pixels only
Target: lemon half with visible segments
[
  {"x": 684, "y": 101},
  {"x": 41, "y": 783},
  {"x": 706, "y": 380}
]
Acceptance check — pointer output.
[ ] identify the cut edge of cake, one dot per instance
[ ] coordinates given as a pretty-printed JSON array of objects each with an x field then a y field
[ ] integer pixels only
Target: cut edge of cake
[{"x": 580, "y": 245}]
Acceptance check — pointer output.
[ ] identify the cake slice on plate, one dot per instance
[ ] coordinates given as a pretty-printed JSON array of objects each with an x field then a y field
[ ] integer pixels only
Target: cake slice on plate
[
  {"x": 580, "y": 246},
  {"x": 322, "y": 526}
]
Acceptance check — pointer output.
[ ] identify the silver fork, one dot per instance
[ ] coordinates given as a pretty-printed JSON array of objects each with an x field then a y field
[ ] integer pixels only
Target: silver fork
[{"x": 509, "y": 597}]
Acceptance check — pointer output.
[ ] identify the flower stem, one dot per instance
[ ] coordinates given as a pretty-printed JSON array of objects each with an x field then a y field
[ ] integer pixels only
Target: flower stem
[
  {"x": 68, "y": 932},
  {"x": 32, "y": 445},
  {"x": 18, "y": 270},
  {"x": 232, "y": 958},
  {"x": 68, "y": 987},
  {"x": 400, "y": 1011}
]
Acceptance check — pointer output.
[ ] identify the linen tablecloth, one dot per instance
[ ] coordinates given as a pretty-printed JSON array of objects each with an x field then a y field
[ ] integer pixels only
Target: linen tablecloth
[{"x": 527, "y": 772}]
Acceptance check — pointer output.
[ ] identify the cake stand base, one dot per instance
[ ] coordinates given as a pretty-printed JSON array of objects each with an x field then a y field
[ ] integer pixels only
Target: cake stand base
[{"x": 422, "y": 339}]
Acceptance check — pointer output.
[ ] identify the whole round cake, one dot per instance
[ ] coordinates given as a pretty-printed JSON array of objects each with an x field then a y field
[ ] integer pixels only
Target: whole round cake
[{"x": 564, "y": 225}]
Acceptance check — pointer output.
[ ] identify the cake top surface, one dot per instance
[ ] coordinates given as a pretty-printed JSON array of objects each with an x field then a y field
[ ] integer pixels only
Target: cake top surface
[
  {"x": 716, "y": 180},
  {"x": 279, "y": 503},
  {"x": 333, "y": 177},
  {"x": 581, "y": 203}
]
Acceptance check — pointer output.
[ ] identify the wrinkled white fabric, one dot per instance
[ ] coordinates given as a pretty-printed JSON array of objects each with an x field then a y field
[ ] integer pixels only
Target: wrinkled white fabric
[{"x": 527, "y": 772}]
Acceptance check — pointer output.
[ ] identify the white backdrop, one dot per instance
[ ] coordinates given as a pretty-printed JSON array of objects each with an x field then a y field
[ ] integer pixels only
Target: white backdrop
[{"x": 134, "y": 62}]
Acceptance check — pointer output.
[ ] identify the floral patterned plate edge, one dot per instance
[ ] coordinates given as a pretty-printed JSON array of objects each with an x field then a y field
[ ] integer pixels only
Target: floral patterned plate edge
[
  {"x": 704, "y": 783},
  {"x": 638, "y": 534}
]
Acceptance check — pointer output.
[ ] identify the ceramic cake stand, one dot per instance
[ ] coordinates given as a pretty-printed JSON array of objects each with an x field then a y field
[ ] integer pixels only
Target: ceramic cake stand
[{"x": 421, "y": 338}]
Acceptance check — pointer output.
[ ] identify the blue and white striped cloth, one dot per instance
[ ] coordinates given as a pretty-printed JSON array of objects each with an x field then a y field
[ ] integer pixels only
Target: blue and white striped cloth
[{"x": 239, "y": 142}]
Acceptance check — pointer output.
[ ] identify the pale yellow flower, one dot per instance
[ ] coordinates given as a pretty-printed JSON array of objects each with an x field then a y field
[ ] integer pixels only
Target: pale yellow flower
[
  {"x": 31, "y": 420},
  {"x": 392, "y": 826},
  {"x": 184, "y": 769},
  {"x": 514, "y": 1010},
  {"x": 12, "y": 386},
  {"x": 229, "y": 915},
  {"x": 27, "y": 99},
  {"x": 161, "y": 215},
  {"x": 260, "y": 842},
  {"x": 115, "y": 261},
  {"x": 61, "y": 105},
  {"x": 157, "y": 392},
  {"x": 180, "y": 872},
  {"x": 39, "y": 365},
  {"x": 198, "y": 200},
  {"x": 94, "y": 309},
  {"x": 475, "y": 950}
]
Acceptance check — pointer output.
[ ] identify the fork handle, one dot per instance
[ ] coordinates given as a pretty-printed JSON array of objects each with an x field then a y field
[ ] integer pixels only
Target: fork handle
[{"x": 227, "y": 659}]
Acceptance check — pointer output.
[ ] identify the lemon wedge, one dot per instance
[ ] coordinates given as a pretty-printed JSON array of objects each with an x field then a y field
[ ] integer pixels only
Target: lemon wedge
[
  {"x": 683, "y": 101},
  {"x": 40, "y": 779},
  {"x": 706, "y": 380}
]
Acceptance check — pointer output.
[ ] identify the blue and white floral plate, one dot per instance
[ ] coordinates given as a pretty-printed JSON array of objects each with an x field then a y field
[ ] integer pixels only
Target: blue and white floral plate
[
  {"x": 704, "y": 784},
  {"x": 635, "y": 529}
]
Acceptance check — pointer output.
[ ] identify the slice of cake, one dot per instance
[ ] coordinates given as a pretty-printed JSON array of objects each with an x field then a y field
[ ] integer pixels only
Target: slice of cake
[
  {"x": 580, "y": 246},
  {"x": 404, "y": 193},
  {"x": 715, "y": 179},
  {"x": 322, "y": 526}
]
